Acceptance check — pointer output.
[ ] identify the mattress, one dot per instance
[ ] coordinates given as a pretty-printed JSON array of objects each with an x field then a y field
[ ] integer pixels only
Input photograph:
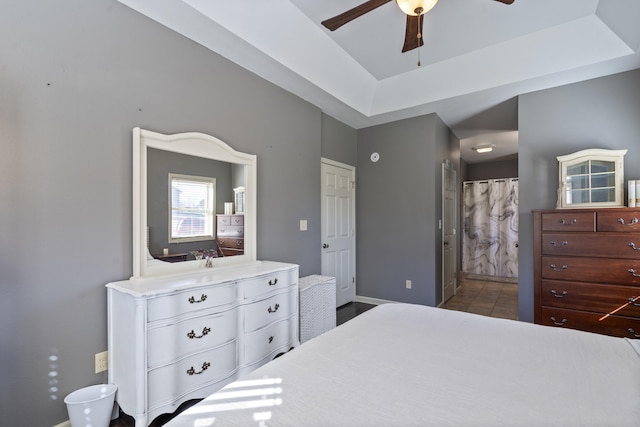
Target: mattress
[{"x": 412, "y": 365}]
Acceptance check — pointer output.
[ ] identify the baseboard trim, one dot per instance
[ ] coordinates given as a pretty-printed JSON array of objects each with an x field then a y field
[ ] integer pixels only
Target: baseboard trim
[
  {"x": 374, "y": 301},
  {"x": 472, "y": 276}
]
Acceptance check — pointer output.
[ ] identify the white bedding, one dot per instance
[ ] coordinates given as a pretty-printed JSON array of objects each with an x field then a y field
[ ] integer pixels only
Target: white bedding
[{"x": 411, "y": 365}]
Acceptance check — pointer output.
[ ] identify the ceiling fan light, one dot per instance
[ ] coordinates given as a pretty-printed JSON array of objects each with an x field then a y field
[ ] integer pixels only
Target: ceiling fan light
[{"x": 416, "y": 7}]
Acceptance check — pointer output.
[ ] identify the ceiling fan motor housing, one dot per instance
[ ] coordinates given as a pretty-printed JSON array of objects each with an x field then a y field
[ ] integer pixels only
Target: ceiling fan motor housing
[{"x": 416, "y": 7}]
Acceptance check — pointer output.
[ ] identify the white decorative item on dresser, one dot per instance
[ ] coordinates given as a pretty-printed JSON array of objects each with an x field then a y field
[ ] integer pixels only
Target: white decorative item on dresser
[
  {"x": 317, "y": 305},
  {"x": 591, "y": 178},
  {"x": 178, "y": 338}
]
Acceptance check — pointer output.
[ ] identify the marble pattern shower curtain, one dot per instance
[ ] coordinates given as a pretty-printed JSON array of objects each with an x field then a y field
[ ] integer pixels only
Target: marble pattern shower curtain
[{"x": 490, "y": 239}]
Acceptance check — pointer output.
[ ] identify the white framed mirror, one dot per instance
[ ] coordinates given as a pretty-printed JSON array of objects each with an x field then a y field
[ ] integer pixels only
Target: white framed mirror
[
  {"x": 162, "y": 246},
  {"x": 591, "y": 178}
]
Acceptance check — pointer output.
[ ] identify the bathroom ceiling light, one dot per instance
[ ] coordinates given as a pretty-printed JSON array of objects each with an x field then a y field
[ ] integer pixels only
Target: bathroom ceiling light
[{"x": 484, "y": 148}]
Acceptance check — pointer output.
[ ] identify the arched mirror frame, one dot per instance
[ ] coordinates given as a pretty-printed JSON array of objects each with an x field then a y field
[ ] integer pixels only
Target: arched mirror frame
[{"x": 198, "y": 145}]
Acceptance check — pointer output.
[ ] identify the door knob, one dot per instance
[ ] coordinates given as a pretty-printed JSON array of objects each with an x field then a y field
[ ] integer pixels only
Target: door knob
[{"x": 325, "y": 246}]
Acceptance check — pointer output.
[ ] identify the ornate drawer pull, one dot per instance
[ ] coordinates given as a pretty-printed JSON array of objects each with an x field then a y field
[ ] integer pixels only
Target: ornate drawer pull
[
  {"x": 633, "y": 246},
  {"x": 270, "y": 339},
  {"x": 564, "y": 221},
  {"x": 561, "y": 323},
  {"x": 192, "y": 300},
  {"x": 632, "y": 332},
  {"x": 192, "y": 371},
  {"x": 632, "y": 300},
  {"x": 273, "y": 310},
  {"x": 554, "y": 243},
  {"x": 633, "y": 272},
  {"x": 555, "y": 268},
  {"x": 633, "y": 221},
  {"x": 555, "y": 294},
  {"x": 273, "y": 282},
  {"x": 191, "y": 335}
]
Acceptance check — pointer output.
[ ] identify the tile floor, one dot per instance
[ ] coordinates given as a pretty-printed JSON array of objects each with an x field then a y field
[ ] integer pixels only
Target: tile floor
[{"x": 488, "y": 298}]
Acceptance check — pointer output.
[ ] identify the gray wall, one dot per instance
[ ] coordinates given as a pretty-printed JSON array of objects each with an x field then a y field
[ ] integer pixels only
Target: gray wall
[
  {"x": 398, "y": 206},
  {"x": 76, "y": 77},
  {"x": 492, "y": 170},
  {"x": 600, "y": 113},
  {"x": 339, "y": 141}
]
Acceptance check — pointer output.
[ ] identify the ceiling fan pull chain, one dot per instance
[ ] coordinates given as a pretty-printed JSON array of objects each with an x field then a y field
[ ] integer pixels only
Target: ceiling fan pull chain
[{"x": 419, "y": 36}]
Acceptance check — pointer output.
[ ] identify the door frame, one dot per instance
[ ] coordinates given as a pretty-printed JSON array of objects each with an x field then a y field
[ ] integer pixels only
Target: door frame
[
  {"x": 352, "y": 171},
  {"x": 448, "y": 166}
]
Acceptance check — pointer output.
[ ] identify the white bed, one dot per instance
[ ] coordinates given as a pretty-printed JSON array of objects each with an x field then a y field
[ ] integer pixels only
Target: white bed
[{"x": 411, "y": 365}]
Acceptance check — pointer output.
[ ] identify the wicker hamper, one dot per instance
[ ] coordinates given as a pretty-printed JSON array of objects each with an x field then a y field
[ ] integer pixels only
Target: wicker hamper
[{"x": 317, "y": 305}]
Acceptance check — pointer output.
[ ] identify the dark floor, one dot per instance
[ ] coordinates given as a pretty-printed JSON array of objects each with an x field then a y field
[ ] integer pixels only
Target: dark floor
[{"x": 351, "y": 310}]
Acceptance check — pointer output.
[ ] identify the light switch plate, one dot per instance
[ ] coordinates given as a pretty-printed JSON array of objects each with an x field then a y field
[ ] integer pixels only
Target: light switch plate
[{"x": 303, "y": 225}]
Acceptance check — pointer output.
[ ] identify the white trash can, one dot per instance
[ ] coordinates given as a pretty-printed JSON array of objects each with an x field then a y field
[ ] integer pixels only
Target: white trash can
[{"x": 91, "y": 406}]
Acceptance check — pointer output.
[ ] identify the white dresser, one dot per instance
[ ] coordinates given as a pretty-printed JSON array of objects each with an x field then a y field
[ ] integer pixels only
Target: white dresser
[{"x": 173, "y": 339}]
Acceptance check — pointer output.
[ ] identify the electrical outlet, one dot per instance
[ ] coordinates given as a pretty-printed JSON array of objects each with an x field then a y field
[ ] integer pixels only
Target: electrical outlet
[
  {"x": 408, "y": 284},
  {"x": 102, "y": 361}
]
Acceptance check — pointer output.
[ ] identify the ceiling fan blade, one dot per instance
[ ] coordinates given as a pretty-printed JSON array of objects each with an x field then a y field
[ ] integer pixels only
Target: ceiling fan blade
[
  {"x": 351, "y": 14},
  {"x": 506, "y": 1},
  {"x": 411, "y": 40}
]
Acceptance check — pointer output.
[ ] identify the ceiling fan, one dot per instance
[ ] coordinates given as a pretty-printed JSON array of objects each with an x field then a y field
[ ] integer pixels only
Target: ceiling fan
[{"x": 414, "y": 9}]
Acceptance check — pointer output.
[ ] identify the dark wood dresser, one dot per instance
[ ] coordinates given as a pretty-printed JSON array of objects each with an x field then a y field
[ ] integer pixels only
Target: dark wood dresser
[
  {"x": 230, "y": 234},
  {"x": 587, "y": 270}
]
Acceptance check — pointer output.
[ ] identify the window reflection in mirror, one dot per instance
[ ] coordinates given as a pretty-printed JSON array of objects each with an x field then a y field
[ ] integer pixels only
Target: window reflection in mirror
[{"x": 194, "y": 229}]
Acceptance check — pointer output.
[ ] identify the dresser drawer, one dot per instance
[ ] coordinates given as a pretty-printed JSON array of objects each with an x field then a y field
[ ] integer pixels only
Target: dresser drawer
[
  {"x": 237, "y": 219},
  {"x": 598, "y": 270},
  {"x": 222, "y": 220},
  {"x": 625, "y": 220},
  {"x": 231, "y": 242},
  {"x": 569, "y": 221},
  {"x": 611, "y": 245},
  {"x": 265, "y": 341},
  {"x": 262, "y": 285},
  {"x": 267, "y": 311},
  {"x": 174, "y": 305},
  {"x": 598, "y": 298},
  {"x": 613, "y": 325},
  {"x": 167, "y": 343},
  {"x": 230, "y": 231},
  {"x": 230, "y": 220},
  {"x": 231, "y": 252},
  {"x": 191, "y": 373}
]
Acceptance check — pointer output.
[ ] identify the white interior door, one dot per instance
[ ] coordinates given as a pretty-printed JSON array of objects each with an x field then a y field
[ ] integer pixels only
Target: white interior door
[
  {"x": 338, "y": 228},
  {"x": 449, "y": 238}
]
